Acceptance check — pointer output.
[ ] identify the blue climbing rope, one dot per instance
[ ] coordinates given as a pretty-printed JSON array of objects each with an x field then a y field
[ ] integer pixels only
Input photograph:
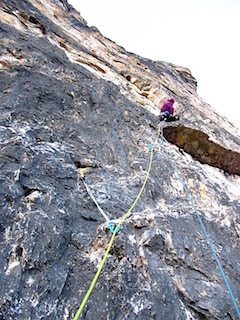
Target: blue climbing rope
[{"x": 202, "y": 225}]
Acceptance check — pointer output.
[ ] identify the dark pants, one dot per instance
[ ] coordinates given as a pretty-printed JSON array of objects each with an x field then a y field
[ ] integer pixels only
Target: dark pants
[{"x": 168, "y": 117}]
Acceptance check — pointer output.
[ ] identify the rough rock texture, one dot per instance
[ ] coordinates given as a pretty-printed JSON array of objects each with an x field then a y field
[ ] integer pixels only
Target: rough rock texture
[
  {"x": 75, "y": 104},
  {"x": 197, "y": 143}
]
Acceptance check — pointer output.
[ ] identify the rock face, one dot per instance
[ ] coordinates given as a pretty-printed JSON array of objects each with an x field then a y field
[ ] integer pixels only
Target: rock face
[{"x": 75, "y": 104}]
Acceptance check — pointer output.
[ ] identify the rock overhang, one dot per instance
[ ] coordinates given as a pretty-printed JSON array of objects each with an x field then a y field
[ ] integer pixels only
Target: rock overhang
[{"x": 199, "y": 145}]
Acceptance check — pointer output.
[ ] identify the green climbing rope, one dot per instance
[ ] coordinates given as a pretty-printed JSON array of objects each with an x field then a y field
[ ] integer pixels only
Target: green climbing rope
[{"x": 116, "y": 230}]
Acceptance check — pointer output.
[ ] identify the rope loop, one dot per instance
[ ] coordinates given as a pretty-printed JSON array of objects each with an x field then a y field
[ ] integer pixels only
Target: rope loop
[{"x": 112, "y": 225}]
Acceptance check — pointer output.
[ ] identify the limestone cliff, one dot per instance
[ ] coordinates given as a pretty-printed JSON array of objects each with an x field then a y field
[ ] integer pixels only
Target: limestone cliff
[{"x": 75, "y": 104}]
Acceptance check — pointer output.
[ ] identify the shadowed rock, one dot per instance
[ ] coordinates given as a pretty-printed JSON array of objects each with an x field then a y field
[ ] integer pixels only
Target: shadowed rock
[{"x": 198, "y": 145}]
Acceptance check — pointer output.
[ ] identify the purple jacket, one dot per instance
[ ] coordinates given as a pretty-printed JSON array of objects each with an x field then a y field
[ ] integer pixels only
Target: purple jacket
[{"x": 167, "y": 106}]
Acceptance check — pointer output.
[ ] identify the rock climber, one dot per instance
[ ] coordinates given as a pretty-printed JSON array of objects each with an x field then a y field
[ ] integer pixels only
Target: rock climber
[{"x": 167, "y": 111}]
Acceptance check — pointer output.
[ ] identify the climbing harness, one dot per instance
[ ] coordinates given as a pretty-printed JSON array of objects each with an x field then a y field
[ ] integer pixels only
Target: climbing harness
[
  {"x": 115, "y": 231},
  {"x": 111, "y": 224},
  {"x": 201, "y": 223}
]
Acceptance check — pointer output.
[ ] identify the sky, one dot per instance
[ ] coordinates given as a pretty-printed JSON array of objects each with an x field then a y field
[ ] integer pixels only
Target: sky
[{"x": 201, "y": 35}]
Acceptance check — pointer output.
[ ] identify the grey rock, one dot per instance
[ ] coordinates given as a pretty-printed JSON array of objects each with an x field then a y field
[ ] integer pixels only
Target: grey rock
[{"x": 74, "y": 105}]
